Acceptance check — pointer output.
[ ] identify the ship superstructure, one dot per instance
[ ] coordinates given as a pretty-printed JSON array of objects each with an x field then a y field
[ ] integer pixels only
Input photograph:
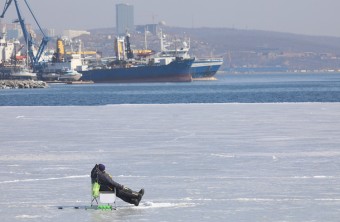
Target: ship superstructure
[{"x": 8, "y": 49}]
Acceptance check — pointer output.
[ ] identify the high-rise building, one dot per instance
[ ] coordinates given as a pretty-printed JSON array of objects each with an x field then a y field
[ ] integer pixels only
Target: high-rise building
[{"x": 124, "y": 18}]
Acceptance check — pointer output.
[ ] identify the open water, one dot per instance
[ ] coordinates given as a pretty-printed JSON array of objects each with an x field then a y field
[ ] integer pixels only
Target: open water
[
  {"x": 228, "y": 89},
  {"x": 255, "y": 158}
]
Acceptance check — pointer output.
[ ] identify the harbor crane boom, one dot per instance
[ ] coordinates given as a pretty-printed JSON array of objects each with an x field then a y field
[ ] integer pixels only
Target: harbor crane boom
[
  {"x": 27, "y": 36},
  {"x": 7, "y": 4}
]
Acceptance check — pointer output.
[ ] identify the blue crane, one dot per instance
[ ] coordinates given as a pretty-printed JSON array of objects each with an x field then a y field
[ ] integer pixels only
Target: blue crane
[{"x": 34, "y": 59}]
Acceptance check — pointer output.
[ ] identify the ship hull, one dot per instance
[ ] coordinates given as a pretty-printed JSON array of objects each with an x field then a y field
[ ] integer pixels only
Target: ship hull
[
  {"x": 205, "y": 68},
  {"x": 176, "y": 71}
]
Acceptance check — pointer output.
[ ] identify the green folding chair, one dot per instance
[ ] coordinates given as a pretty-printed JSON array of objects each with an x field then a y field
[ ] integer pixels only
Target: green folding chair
[{"x": 108, "y": 198}]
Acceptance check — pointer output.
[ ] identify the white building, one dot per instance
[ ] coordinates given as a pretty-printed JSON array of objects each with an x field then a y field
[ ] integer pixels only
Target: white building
[{"x": 70, "y": 34}]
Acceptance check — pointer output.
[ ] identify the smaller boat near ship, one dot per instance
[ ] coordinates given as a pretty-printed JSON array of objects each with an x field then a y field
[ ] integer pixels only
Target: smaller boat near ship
[
  {"x": 69, "y": 75},
  {"x": 202, "y": 68},
  {"x": 205, "y": 68},
  {"x": 23, "y": 73},
  {"x": 61, "y": 66},
  {"x": 50, "y": 76}
]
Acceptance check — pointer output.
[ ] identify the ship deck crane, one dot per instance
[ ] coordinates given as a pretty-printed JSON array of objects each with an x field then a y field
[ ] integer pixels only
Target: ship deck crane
[{"x": 27, "y": 36}]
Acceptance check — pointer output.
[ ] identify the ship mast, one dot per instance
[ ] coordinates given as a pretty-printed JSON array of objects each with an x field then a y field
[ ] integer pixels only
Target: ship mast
[
  {"x": 145, "y": 38},
  {"x": 162, "y": 40}
]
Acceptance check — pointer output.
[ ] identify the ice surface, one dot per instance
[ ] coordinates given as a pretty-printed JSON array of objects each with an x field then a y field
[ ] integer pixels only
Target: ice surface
[{"x": 197, "y": 162}]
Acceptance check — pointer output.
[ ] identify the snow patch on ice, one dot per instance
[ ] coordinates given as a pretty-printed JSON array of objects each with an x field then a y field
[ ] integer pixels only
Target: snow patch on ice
[
  {"x": 314, "y": 177},
  {"x": 224, "y": 155},
  {"x": 130, "y": 176},
  {"x": 25, "y": 216},
  {"x": 150, "y": 204},
  {"x": 267, "y": 199},
  {"x": 323, "y": 177},
  {"x": 282, "y": 199},
  {"x": 278, "y": 155},
  {"x": 53, "y": 178}
]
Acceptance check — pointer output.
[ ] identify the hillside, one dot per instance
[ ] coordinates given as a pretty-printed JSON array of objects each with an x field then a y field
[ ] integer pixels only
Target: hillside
[
  {"x": 243, "y": 40},
  {"x": 250, "y": 48}
]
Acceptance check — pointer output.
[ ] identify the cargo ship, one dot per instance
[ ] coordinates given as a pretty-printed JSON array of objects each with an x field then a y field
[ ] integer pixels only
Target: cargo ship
[
  {"x": 126, "y": 69},
  {"x": 176, "y": 71},
  {"x": 13, "y": 64}
]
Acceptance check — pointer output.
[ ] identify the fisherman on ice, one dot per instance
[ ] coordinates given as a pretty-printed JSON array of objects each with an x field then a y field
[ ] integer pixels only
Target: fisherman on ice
[{"x": 106, "y": 183}]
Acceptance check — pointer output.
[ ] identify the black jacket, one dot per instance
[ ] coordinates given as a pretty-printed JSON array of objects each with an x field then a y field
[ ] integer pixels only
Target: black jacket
[{"x": 104, "y": 179}]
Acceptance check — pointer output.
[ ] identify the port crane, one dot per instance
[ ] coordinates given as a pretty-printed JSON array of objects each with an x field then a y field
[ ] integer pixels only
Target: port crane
[{"x": 34, "y": 58}]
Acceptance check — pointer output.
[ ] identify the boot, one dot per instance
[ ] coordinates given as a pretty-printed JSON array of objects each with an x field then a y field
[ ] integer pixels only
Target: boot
[
  {"x": 135, "y": 202},
  {"x": 130, "y": 196},
  {"x": 140, "y": 194}
]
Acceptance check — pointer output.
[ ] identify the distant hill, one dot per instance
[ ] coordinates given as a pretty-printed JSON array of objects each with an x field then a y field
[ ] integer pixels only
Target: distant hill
[
  {"x": 238, "y": 40},
  {"x": 254, "y": 48}
]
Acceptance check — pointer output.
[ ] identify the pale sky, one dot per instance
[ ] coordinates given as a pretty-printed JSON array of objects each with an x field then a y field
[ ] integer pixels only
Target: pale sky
[{"x": 311, "y": 17}]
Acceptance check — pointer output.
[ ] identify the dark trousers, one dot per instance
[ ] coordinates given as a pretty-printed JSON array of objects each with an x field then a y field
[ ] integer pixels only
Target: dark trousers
[{"x": 127, "y": 195}]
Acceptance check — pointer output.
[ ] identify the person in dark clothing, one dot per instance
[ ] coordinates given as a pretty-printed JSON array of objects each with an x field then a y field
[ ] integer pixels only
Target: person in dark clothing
[{"x": 106, "y": 183}]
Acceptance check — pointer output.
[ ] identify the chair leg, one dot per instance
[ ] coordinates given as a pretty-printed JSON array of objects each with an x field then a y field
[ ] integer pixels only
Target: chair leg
[
  {"x": 94, "y": 199},
  {"x": 113, "y": 206}
]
